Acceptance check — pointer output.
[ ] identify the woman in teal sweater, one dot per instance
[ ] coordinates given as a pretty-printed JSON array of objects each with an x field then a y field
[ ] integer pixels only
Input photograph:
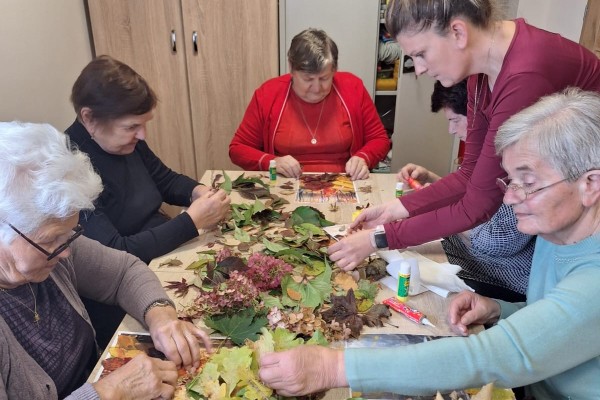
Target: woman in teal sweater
[{"x": 550, "y": 343}]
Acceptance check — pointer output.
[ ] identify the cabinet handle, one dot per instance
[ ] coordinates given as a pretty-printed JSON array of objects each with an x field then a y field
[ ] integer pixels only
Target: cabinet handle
[
  {"x": 173, "y": 41},
  {"x": 195, "y": 41}
]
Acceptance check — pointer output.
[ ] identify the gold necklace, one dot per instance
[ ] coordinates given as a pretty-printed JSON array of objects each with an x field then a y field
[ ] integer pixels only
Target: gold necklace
[
  {"x": 478, "y": 90},
  {"x": 36, "y": 316},
  {"x": 312, "y": 134}
]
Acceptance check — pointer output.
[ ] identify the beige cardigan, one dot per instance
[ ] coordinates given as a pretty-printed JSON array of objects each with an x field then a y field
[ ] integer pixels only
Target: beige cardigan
[{"x": 92, "y": 271}]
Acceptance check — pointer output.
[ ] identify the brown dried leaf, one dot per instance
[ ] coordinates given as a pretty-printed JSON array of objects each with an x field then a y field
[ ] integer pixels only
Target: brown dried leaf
[
  {"x": 171, "y": 262},
  {"x": 365, "y": 189},
  {"x": 345, "y": 281},
  {"x": 293, "y": 294},
  {"x": 376, "y": 315}
]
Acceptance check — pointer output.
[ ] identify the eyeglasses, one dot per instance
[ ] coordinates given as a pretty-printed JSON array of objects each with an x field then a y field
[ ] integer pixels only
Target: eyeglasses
[
  {"x": 520, "y": 191},
  {"x": 76, "y": 233}
]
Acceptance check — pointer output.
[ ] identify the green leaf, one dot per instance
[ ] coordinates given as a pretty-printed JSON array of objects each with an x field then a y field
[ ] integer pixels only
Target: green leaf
[
  {"x": 238, "y": 327},
  {"x": 313, "y": 292},
  {"x": 285, "y": 340},
  {"x": 241, "y": 235},
  {"x": 270, "y": 301},
  {"x": 258, "y": 207},
  {"x": 309, "y": 214},
  {"x": 274, "y": 247},
  {"x": 226, "y": 185},
  {"x": 314, "y": 268}
]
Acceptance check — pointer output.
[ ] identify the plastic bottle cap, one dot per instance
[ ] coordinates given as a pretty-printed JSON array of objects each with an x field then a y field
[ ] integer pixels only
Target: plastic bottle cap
[
  {"x": 399, "y": 185},
  {"x": 404, "y": 268},
  {"x": 272, "y": 164}
]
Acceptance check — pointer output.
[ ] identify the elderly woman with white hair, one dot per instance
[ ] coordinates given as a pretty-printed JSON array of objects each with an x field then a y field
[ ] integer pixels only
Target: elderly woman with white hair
[
  {"x": 550, "y": 342},
  {"x": 47, "y": 344}
]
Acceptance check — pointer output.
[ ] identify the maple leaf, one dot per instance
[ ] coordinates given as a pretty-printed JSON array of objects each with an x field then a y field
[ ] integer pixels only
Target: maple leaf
[
  {"x": 181, "y": 288},
  {"x": 239, "y": 326}
]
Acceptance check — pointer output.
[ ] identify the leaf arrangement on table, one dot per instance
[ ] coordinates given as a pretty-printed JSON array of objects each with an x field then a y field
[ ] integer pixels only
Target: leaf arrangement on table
[{"x": 267, "y": 284}]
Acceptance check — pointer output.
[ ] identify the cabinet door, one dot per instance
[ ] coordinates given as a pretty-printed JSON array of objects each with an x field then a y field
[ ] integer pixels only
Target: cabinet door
[
  {"x": 235, "y": 52},
  {"x": 138, "y": 32}
]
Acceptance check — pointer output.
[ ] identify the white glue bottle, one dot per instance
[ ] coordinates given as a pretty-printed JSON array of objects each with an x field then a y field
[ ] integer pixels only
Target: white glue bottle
[{"x": 403, "y": 282}]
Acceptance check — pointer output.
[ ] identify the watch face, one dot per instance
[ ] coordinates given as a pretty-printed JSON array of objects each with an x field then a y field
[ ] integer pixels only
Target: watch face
[{"x": 380, "y": 240}]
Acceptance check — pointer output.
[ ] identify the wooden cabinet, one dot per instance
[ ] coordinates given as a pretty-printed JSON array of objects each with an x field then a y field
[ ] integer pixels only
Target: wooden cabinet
[{"x": 204, "y": 59}]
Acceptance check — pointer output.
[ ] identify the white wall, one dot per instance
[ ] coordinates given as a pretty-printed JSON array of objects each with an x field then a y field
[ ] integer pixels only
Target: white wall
[
  {"x": 560, "y": 16},
  {"x": 43, "y": 47}
]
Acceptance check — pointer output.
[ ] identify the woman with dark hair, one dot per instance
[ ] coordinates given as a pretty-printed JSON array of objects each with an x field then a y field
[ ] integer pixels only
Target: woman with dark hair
[
  {"x": 494, "y": 256},
  {"x": 314, "y": 119},
  {"x": 113, "y": 104},
  {"x": 510, "y": 65}
]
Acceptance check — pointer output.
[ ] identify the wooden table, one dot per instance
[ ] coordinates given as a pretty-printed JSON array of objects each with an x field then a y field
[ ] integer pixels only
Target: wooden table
[{"x": 382, "y": 189}]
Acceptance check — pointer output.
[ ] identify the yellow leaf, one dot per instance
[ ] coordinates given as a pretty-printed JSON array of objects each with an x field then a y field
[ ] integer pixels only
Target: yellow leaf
[{"x": 345, "y": 281}]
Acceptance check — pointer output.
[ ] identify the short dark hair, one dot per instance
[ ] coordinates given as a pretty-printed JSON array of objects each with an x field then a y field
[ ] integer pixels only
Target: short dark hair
[
  {"x": 311, "y": 51},
  {"x": 453, "y": 97},
  {"x": 111, "y": 89}
]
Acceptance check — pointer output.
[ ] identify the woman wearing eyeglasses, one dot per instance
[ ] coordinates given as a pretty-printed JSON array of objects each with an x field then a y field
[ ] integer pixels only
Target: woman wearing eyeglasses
[
  {"x": 550, "y": 342},
  {"x": 47, "y": 343}
]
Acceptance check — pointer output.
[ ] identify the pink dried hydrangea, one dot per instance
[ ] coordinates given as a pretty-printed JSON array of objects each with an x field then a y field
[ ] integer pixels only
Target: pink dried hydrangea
[
  {"x": 223, "y": 254},
  {"x": 266, "y": 271},
  {"x": 236, "y": 293}
]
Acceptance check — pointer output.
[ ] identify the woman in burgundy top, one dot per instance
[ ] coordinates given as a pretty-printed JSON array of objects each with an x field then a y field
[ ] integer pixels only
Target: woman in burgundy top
[
  {"x": 510, "y": 65},
  {"x": 314, "y": 119}
]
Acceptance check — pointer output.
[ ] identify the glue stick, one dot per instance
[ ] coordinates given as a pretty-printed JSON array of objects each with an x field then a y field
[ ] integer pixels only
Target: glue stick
[
  {"x": 414, "y": 184},
  {"x": 399, "y": 189},
  {"x": 272, "y": 171},
  {"x": 403, "y": 281}
]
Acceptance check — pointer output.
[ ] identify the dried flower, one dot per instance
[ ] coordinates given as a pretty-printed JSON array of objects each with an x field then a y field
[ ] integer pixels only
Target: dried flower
[{"x": 266, "y": 271}]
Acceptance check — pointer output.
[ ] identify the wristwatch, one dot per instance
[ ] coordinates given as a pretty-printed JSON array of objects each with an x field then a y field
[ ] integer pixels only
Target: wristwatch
[
  {"x": 378, "y": 238},
  {"x": 158, "y": 303}
]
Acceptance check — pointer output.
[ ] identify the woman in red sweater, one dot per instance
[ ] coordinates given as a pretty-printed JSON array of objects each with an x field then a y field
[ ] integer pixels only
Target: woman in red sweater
[
  {"x": 314, "y": 119},
  {"x": 510, "y": 65}
]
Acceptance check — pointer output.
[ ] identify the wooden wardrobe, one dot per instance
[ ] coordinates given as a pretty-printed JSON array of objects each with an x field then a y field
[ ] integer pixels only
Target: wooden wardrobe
[{"x": 204, "y": 59}]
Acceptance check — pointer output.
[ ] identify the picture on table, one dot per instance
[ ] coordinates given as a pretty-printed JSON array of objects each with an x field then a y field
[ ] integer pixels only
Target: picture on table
[{"x": 326, "y": 188}]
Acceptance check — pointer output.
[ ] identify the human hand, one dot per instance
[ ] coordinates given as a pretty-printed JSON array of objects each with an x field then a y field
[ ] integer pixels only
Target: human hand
[
  {"x": 370, "y": 217},
  {"x": 357, "y": 168},
  {"x": 349, "y": 252},
  {"x": 143, "y": 377},
  {"x": 421, "y": 174},
  {"x": 209, "y": 209},
  {"x": 178, "y": 340},
  {"x": 288, "y": 166},
  {"x": 199, "y": 191},
  {"x": 467, "y": 308},
  {"x": 303, "y": 370}
]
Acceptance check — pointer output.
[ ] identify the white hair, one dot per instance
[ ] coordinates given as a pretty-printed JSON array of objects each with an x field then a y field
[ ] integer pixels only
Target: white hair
[
  {"x": 41, "y": 178},
  {"x": 564, "y": 128}
]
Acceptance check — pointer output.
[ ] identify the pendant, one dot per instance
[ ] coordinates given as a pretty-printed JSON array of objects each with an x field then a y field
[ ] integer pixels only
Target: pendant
[
  {"x": 36, "y": 317},
  {"x": 313, "y": 141}
]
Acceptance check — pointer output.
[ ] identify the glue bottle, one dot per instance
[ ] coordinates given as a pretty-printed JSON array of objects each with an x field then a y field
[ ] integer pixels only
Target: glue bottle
[
  {"x": 399, "y": 189},
  {"x": 414, "y": 184},
  {"x": 272, "y": 171},
  {"x": 403, "y": 281}
]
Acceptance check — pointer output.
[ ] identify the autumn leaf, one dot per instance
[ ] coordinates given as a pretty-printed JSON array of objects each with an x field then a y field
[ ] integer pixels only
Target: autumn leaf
[
  {"x": 343, "y": 310},
  {"x": 345, "y": 282},
  {"x": 171, "y": 262},
  {"x": 181, "y": 288}
]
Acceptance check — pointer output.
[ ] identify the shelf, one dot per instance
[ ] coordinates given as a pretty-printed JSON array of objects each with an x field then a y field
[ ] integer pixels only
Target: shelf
[{"x": 386, "y": 93}]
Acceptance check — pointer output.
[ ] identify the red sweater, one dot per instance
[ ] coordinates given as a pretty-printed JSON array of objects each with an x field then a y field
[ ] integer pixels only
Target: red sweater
[
  {"x": 537, "y": 63},
  {"x": 252, "y": 146}
]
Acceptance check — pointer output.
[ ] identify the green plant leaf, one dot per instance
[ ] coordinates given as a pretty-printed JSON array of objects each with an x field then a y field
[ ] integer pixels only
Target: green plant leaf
[
  {"x": 274, "y": 247},
  {"x": 226, "y": 185},
  {"x": 239, "y": 326}
]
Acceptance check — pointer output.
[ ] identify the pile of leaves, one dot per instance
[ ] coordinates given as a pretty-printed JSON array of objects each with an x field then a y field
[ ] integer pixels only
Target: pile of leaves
[
  {"x": 232, "y": 373},
  {"x": 271, "y": 269}
]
